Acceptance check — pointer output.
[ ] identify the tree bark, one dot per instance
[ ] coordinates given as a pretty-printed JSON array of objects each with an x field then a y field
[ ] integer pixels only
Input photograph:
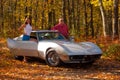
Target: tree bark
[
  {"x": 69, "y": 14},
  {"x": 91, "y": 20},
  {"x": 63, "y": 10},
  {"x": 78, "y": 18},
  {"x": 85, "y": 20},
  {"x": 2, "y": 17},
  {"x": 103, "y": 17},
  {"x": 115, "y": 18}
]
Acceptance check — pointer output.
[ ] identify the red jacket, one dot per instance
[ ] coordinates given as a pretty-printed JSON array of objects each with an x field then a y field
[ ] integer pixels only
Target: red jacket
[{"x": 62, "y": 28}]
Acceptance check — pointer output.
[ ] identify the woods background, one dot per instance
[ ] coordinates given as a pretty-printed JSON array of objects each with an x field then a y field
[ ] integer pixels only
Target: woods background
[{"x": 85, "y": 18}]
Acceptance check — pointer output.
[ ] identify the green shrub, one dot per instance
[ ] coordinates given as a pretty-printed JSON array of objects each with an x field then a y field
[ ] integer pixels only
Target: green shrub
[{"x": 113, "y": 51}]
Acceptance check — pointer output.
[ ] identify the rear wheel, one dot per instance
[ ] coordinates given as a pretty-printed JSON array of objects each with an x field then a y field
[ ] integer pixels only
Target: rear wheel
[
  {"x": 19, "y": 58},
  {"x": 52, "y": 59}
]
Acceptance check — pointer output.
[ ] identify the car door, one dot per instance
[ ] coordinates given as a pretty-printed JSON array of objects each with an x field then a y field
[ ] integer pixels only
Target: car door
[
  {"x": 27, "y": 48},
  {"x": 23, "y": 48}
]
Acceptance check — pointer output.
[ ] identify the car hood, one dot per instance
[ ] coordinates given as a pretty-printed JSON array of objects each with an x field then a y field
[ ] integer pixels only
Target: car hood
[{"x": 79, "y": 48}]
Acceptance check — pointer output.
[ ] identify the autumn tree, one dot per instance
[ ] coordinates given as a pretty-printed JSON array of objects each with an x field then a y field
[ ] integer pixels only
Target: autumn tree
[
  {"x": 84, "y": 18},
  {"x": 115, "y": 18}
]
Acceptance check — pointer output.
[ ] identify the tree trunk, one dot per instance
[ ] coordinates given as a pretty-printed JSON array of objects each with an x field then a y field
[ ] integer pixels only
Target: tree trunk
[
  {"x": 69, "y": 15},
  {"x": 109, "y": 21},
  {"x": 26, "y": 8},
  {"x": 85, "y": 20},
  {"x": 14, "y": 15},
  {"x": 115, "y": 18},
  {"x": 51, "y": 16},
  {"x": 36, "y": 15},
  {"x": 73, "y": 16},
  {"x": 78, "y": 18},
  {"x": 2, "y": 17},
  {"x": 43, "y": 16},
  {"x": 119, "y": 28},
  {"x": 63, "y": 10},
  {"x": 91, "y": 20},
  {"x": 103, "y": 17}
]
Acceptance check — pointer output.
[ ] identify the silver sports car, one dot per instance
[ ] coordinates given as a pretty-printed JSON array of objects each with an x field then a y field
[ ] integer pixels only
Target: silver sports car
[{"x": 52, "y": 47}]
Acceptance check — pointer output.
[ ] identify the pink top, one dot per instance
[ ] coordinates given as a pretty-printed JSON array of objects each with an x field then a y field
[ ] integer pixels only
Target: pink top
[{"x": 62, "y": 28}]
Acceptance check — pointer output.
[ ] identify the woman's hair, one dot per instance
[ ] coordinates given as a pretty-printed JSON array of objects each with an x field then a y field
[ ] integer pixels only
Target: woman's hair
[{"x": 26, "y": 18}]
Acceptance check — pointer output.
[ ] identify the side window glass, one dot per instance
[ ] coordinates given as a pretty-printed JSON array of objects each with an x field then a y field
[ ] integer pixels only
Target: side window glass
[{"x": 33, "y": 35}]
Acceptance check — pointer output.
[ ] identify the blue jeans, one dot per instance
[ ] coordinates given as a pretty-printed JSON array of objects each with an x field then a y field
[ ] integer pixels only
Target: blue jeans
[{"x": 26, "y": 37}]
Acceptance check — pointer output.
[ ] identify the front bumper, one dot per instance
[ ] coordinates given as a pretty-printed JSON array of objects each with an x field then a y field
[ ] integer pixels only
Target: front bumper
[{"x": 82, "y": 58}]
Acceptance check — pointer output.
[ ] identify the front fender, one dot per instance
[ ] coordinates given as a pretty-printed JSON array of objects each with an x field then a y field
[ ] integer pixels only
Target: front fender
[{"x": 43, "y": 47}]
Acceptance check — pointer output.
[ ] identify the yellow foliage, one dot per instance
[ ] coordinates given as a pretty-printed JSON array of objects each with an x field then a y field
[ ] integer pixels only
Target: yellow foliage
[{"x": 106, "y": 3}]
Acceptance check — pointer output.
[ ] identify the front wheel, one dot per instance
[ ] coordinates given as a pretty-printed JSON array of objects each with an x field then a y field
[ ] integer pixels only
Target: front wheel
[{"x": 52, "y": 59}]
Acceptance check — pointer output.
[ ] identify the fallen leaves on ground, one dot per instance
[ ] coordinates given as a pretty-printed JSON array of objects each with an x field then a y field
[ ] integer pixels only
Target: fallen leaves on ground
[{"x": 11, "y": 69}]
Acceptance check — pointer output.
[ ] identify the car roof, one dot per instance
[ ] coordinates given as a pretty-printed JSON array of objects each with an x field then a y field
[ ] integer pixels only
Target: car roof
[{"x": 45, "y": 31}]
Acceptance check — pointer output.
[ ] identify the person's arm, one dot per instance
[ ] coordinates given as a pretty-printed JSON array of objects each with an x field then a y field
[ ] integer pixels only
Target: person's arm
[
  {"x": 54, "y": 28},
  {"x": 21, "y": 27}
]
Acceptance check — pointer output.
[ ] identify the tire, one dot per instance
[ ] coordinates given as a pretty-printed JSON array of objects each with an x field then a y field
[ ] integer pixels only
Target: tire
[
  {"x": 52, "y": 59},
  {"x": 19, "y": 58}
]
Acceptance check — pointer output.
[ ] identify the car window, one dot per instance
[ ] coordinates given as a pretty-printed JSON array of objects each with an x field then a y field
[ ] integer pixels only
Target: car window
[
  {"x": 33, "y": 35},
  {"x": 50, "y": 36}
]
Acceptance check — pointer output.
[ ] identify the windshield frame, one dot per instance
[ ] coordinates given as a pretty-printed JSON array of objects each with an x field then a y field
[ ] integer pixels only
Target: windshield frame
[{"x": 50, "y": 36}]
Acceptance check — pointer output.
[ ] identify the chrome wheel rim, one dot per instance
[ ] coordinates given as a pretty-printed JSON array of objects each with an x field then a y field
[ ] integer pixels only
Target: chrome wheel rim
[{"x": 53, "y": 58}]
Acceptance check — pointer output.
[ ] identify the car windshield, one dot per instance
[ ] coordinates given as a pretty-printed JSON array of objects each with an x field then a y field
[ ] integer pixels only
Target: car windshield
[{"x": 50, "y": 36}]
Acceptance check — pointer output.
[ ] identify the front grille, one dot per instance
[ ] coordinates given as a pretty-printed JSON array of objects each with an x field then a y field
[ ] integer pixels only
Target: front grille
[
  {"x": 84, "y": 57},
  {"x": 76, "y": 57}
]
